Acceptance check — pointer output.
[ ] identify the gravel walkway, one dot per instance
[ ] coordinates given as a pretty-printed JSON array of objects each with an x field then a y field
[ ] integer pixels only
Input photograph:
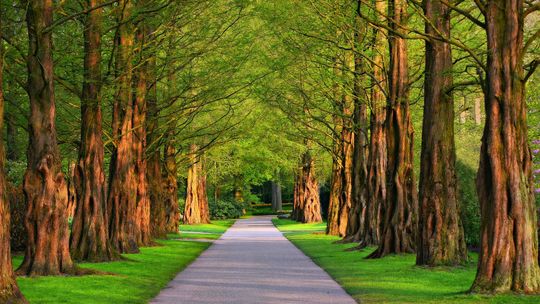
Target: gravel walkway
[{"x": 253, "y": 263}]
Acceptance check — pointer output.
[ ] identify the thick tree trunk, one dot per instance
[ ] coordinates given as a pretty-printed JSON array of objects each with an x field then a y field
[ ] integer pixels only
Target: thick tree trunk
[
  {"x": 122, "y": 197},
  {"x": 196, "y": 209},
  {"x": 441, "y": 240},
  {"x": 298, "y": 200},
  {"x": 370, "y": 228},
  {"x": 45, "y": 187},
  {"x": 141, "y": 79},
  {"x": 9, "y": 291},
  {"x": 172, "y": 212},
  {"x": 398, "y": 233},
  {"x": 312, "y": 203},
  {"x": 357, "y": 214},
  {"x": 508, "y": 259},
  {"x": 156, "y": 184},
  {"x": 89, "y": 241},
  {"x": 336, "y": 189}
]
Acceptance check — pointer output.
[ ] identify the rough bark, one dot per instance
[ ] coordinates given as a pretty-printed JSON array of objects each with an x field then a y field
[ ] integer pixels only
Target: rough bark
[
  {"x": 122, "y": 196},
  {"x": 156, "y": 183},
  {"x": 196, "y": 206},
  {"x": 140, "y": 107},
  {"x": 89, "y": 241},
  {"x": 312, "y": 204},
  {"x": 441, "y": 240},
  {"x": 298, "y": 200},
  {"x": 9, "y": 291},
  {"x": 45, "y": 188},
  {"x": 172, "y": 212},
  {"x": 370, "y": 229},
  {"x": 357, "y": 214},
  {"x": 399, "y": 227},
  {"x": 508, "y": 258}
]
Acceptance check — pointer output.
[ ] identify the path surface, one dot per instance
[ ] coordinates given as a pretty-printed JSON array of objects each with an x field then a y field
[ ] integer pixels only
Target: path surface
[{"x": 253, "y": 263}]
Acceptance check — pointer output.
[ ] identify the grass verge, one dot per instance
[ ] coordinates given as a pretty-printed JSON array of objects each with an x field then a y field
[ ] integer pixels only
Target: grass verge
[
  {"x": 136, "y": 280},
  {"x": 393, "y": 279}
]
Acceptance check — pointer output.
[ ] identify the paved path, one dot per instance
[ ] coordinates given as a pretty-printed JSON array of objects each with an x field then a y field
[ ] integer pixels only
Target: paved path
[{"x": 253, "y": 263}]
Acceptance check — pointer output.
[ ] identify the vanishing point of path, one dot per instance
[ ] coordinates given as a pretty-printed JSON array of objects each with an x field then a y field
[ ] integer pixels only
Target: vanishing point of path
[{"x": 253, "y": 263}]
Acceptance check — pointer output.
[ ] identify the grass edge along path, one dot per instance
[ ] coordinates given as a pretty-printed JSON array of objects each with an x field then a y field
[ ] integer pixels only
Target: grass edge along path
[
  {"x": 136, "y": 280},
  {"x": 393, "y": 279}
]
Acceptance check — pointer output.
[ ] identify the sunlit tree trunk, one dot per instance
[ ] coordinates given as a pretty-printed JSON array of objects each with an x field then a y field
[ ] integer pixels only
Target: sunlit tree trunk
[
  {"x": 370, "y": 228},
  {"x": 9, "y": 291},
  {"x": 398, "y": 232},
  {"x": 312, "y": 204},
  {"x": 441, "y": 240},
  {"x": 122, "y": 197},
  {"x": 196, "y": 206},
  {"x": 140, "y": 108},
  {"x": 508, "y": 258},
  {"x": 45, "y": 188},
  {"x": 89, "y": 241},
  {"x": 298, "y": 200},
  {"x": 357, "y": 214},
  {"x": 172, "y": 212}
]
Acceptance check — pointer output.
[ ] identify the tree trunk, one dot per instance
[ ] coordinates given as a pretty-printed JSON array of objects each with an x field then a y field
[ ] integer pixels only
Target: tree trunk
[
  {"x": 156, "y": 184},
  {"x": 122, "y": 197},
  {"x": 89, "y": 241},
  {"x": 9, "y": 291},
  {"x": 298, "y": 200},
  {"x": 398, "y": 233},
  {"x": 172, "y": 212},
  {"x": 141, "y": 79},
  {"x": 336, "y": 189},
  {"x": 277, "y": 203},
  {"x": 357, "y": 214},
  {"x": 45, "y": 187},
  {"x": 312, "y": 203},
  {"x": 441, "y": 240},
  {"x": 508, "y": 259},
  {"x": 370, "y": 229},
  {"x": 196, "y": 208}
]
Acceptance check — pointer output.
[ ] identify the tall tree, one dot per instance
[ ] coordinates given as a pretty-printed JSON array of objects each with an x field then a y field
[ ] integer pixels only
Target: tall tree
[
  {"x": 508, "y": 259},
  {"x": 140, "y": 110},
  {"x": 311, "y": 211},
  {"x": 398, "y": 232},
  {"x": 89, "y": 232},
  {"x": 277, "y": 203},
  {"x": 171, "y": 186},
  {"x": 45, "y": 188},
  {"x": 9, "y": 291},
  {"x": 441, "y": 240},
  {"x": 122, "y": 196},
  {"x": 377, "y": 160},
  {"x": 359, "y": 201},
  {"x": 196, "y": 206}
]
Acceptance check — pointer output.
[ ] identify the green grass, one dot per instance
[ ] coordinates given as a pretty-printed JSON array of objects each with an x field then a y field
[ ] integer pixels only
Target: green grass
[
  {"x": 393, "y": 279},
  {"x": 209, "y": 231},
  {"x": 135, "y": 280},
  {"x": 264, "y": 209}
]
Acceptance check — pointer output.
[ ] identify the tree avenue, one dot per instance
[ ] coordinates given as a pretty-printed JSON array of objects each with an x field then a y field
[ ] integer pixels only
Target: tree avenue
[{"x": 363, "y": 118}]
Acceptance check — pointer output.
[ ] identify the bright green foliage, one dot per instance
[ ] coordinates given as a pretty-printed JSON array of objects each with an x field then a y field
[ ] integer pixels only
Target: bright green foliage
[{"x": 393, "y": 279}]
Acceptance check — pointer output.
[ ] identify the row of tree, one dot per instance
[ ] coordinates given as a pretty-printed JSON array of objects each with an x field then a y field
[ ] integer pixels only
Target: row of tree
[{"x": 374, "y": 199}]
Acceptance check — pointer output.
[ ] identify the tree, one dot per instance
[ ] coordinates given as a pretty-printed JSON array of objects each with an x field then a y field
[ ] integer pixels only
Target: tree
[
  {"x": 277, "y": 203},
  {"x": 171, "y": 187},
  {"x": 441, "y": 240},
  {"x": 196, "y": 206},
  {"x": 9, "y": 291},
  {"x": 122, "y": 196},
  {"x": 311, "y": 206},
  {"x": 89, "y": 232},
  {"x": 508, "y": 259},
  {"x": 45, "y": 188},
  {"x": 398, "y": 232}
]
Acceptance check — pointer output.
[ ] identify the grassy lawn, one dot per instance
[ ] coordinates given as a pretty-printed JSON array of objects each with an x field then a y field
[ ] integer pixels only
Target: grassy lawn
[
  {"x": 136, "y": 280},
  {"x": 393, "y": 279}
]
